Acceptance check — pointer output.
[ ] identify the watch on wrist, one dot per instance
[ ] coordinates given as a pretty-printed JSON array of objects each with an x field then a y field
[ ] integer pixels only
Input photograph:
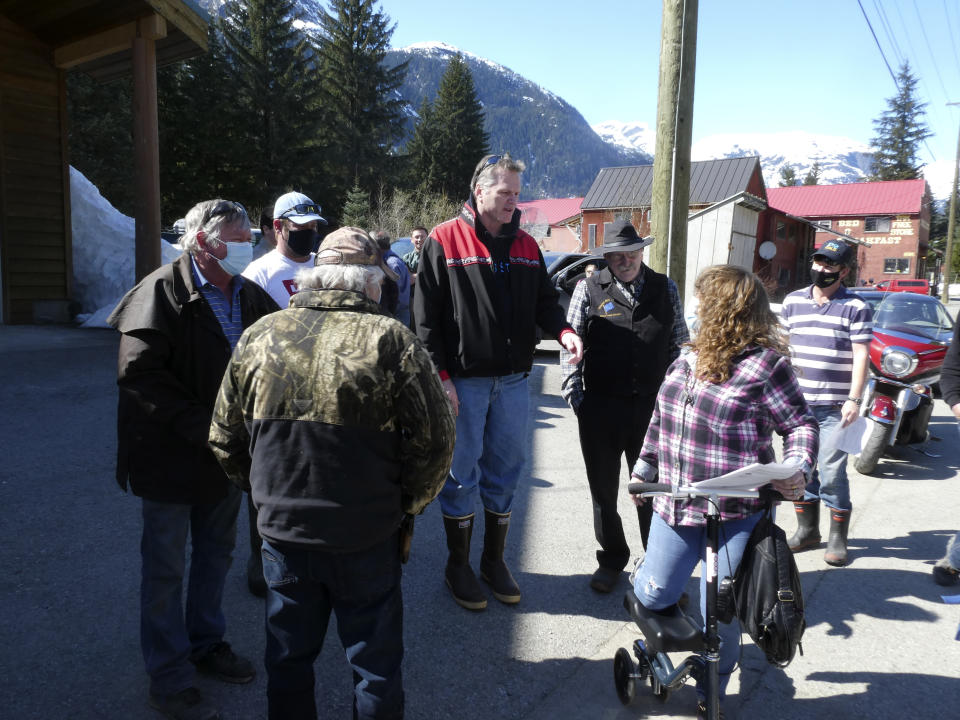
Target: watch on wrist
[{"x": 857, "y": 401}]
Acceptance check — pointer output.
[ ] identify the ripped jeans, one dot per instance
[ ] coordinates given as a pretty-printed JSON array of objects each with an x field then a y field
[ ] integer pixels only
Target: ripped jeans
[{"x": 672, "y": 554}]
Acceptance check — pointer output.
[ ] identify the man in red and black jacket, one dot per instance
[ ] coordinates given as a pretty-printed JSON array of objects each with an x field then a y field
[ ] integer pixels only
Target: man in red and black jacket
[{"x": 482, "y": 288}]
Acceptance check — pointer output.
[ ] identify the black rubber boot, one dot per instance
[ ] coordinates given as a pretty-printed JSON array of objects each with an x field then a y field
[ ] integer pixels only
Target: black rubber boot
[
  {"x": 836, "y": 553},
  {"x": 492, "y": 568},
  {"x": 808, "y": 526},
  {"x": 463, "y": 584}
]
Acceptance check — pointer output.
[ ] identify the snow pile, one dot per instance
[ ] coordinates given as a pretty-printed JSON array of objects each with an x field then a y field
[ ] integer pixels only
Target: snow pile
[{"x": 103, "y": 251}]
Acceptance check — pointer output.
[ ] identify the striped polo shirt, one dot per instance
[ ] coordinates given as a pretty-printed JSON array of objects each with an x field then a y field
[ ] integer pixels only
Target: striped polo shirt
[
  {"x": 822, "y": 337},
  {"x": 226, "y": 310}
]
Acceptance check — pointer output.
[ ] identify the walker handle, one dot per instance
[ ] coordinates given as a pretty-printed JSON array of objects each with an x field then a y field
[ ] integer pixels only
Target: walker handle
[{"x": 637, "y": 488}]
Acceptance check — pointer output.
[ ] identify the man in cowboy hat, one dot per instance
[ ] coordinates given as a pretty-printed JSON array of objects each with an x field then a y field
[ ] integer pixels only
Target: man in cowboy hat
[{"x": 631, "y": 322}]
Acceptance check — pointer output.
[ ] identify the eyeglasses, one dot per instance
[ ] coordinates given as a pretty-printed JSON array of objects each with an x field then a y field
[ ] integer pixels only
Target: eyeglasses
[
  {"x": 301, "y": 209},
  {"x": 226, "y": 207},
  {"x": 489, "y": 161}
]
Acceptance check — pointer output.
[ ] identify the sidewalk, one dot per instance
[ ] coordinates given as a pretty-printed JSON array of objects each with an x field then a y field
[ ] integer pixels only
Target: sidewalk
[{"x": 880, "y": 642}]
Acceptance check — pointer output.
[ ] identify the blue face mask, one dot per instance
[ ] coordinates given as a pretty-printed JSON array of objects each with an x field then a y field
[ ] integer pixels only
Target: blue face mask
[{"x": 239, "y": 255}]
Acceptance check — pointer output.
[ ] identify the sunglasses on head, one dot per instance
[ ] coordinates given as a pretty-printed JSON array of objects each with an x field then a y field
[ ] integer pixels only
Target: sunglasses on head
[
  {"x": 301, "y": 209},
  {"x": 227, "y": 207}
]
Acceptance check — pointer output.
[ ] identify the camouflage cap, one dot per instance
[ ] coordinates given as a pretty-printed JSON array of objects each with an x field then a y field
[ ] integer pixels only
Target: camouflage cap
[{"x": 351, "y": 246}]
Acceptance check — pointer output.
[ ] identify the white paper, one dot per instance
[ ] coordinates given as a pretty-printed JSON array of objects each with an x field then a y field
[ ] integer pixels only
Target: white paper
[
  {"x": 853, "y": 437},
  {"x": 750, "y": 477}
]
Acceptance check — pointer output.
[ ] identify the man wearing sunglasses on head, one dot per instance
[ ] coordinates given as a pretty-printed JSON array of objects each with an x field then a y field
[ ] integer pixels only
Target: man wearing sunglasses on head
[
  {"x": 296, "y": 219},
  {"x": 482, "y": 289},
  {"x": 179, "y": 326}
]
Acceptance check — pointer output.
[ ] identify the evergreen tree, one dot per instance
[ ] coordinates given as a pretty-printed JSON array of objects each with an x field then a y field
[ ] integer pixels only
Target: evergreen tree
[
  {"x": 450, "y": 139},
  {"x": 101, "y": 136},
  {"x": 900, "y": 132},
  {"x": 423, "y": 148},
  {"x": 275, "y": 73},
  {"x": 199, "y": 121},
  {"x": 356, "y": 210},
  {"x": 813, "y": 175},
  {"x": 362, "y": 109},
  {"x": 788, "y": 176}
]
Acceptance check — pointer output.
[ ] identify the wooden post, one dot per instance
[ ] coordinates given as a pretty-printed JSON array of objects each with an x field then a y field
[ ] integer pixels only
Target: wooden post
[
  {"x": 951, "y": 223},
  {"x": 671, "y": 157},
  {"x": 146, "y": 151}
]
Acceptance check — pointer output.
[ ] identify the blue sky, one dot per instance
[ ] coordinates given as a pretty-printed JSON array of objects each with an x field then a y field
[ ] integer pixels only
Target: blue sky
[{"x": 771, "y": 66}]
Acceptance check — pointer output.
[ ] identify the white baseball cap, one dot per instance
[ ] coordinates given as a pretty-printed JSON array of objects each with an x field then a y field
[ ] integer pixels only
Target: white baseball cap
[{"x": 297, "y": 208}]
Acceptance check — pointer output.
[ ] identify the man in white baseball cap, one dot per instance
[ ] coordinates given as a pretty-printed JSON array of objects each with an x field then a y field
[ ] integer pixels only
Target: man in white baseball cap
[{"x": 295, "y": 222}]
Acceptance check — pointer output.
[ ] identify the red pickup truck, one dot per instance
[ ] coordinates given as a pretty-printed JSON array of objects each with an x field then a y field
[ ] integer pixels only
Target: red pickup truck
[{"x": 914, "y": 285}]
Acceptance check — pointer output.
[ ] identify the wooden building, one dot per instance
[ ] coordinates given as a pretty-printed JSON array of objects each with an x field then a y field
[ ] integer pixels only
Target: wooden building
[
  {"x": 554, "y": 223},
  {"x": 39, "y": 43},
  {"x": 889, "y": 221}
]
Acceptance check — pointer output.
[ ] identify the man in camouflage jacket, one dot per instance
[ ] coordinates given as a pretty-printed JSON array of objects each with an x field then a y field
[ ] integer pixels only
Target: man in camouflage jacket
[{"x": 334, "y": 417}]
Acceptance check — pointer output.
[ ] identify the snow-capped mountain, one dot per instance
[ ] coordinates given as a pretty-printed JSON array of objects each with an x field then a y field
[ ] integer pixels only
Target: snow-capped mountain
[
  {"x": 563, "y": 154},
  {"x": 841, "y": 160}
]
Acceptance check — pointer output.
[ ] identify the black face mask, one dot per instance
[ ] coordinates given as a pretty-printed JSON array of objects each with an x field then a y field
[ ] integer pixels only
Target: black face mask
[
  {"x": 823, "y": 279},
  {"x": 302, "y": 242}
]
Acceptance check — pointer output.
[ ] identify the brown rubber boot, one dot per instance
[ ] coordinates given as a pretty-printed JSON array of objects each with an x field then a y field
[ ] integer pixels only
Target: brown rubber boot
[
  {"x": 808, "y": 526},
  {"x": 463, "y": 584},
  {"x": 836, "y": 553},
  {"x": 492, "y": 568}
]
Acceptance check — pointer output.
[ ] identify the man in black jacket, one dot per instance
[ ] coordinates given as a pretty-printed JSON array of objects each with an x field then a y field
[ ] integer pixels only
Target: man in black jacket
[
  {"x": 482, "y": 289},
  {"x": 947, "y": 569},
  {"x": 632, "y": 325},
  {"x": 179, "y": 326}
]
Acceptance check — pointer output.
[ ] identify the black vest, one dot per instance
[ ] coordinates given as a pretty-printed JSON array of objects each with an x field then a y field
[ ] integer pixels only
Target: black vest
[{"x": 626, "y": 347}]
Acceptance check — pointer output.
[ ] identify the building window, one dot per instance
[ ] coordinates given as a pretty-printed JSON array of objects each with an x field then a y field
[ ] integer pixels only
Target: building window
[
  {"x": 877, "y": 224},
  {"x": 824, "y": 224},
  {"x": 781, "y": 231},
  {"x": 591, "y": 237},
  {"x": 896, "y": 265}
]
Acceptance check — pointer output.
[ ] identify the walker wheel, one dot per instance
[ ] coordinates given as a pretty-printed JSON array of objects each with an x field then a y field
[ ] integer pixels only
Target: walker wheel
[
  {"x": 660, "y": 692},
  {"x": 624, "y": 676}
]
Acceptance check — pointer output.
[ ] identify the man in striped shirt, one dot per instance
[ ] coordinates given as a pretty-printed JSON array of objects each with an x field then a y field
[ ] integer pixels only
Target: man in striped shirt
[{"x": 830, "y": 330}]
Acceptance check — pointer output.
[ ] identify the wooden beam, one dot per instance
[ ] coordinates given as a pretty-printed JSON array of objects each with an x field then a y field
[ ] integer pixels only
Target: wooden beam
[
  {"x": 109, "y": 42},
  {"x": 146, "y": 157},
  {"x": 182, "y": 16}
]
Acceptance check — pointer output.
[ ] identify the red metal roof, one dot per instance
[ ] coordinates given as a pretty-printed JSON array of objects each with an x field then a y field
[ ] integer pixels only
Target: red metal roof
[
  {"x": 869, "y": 198},
  {"x": 550, "y": 210}
]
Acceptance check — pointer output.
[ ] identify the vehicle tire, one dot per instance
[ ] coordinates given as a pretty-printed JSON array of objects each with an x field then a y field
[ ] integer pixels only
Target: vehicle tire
[
  {"x": 623, "y": 676},
  {"x": 875, "y": 446}
]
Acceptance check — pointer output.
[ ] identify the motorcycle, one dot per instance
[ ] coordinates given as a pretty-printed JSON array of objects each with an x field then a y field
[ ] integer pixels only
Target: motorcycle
[{"x": 911, "y": 334}]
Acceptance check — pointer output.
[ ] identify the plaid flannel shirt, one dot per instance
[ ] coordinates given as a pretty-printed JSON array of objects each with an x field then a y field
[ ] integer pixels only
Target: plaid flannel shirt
[
  {"x": 701, "y": 430},
  {"x": 571, "y": 376}
]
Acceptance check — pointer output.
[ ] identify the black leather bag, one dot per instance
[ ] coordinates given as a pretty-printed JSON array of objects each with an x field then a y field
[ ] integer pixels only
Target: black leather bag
[{"x": 768, "y": 598}]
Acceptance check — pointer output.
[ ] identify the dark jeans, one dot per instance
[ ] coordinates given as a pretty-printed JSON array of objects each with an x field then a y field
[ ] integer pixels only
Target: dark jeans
[
  {"x": 363, "y": 589},
  {"x": 169, "y": 634},
  {"x": 612, "y": 427}
]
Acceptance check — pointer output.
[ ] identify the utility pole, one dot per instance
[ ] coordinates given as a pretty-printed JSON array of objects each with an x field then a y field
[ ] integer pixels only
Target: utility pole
[
  {"x": 951, "y": 221},
  {"x": 671, "y": 157}
]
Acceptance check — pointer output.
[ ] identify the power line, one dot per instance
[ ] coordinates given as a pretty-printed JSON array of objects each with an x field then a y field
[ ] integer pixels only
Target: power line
[
  {"x": 926, "y": 41},
  {"x": 881, "y": 13},
  {"x": 882, "y": 54},
  {"x": 953, "y": 44}
]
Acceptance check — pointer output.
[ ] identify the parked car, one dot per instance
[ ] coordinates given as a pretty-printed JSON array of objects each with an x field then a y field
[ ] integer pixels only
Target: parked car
[
  {"x": 565, "y": 271},
  {"x": 911, "y": 335},
  {"x": 914, "y": 285}
]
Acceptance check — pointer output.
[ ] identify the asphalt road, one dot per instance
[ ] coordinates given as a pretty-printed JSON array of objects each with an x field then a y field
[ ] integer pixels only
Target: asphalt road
[{"x": 880, "y": 642}]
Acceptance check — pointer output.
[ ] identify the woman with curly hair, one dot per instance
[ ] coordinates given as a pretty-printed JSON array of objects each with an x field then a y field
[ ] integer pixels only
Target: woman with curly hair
[{"x": 716, "y": 412}]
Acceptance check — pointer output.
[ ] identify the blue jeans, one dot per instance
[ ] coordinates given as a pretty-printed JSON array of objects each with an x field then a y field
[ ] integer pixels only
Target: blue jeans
[
  {"x": 168, "y": 637},
  {"x": 672, "y": 554},
  {"x": 363, "y": 589},
  {"x": 490, "y": 455},
  {"x": 829, "y": 481}
]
